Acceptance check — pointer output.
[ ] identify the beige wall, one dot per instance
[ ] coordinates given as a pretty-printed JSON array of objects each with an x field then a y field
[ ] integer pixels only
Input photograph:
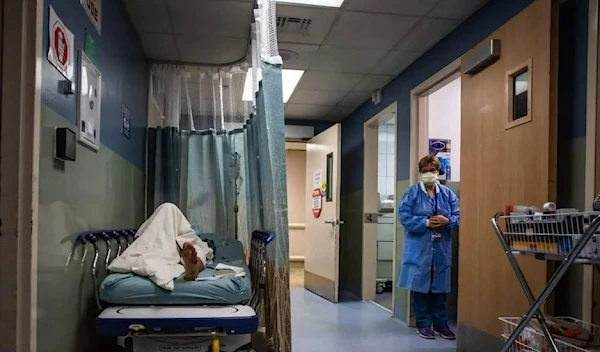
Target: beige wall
[{"x": 296, "y": 182}]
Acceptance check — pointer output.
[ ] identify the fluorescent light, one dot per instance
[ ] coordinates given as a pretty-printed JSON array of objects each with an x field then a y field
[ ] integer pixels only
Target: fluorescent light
[
  {"x": 290, "y": 79},
  {"x": 323, "y": 3}
]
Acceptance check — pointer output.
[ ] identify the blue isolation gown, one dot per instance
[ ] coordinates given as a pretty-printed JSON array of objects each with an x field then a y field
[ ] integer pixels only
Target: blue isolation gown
[{"x": 423, "y": 253}]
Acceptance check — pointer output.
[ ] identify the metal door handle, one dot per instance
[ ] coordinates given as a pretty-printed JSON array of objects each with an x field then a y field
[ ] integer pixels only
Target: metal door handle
[{"x": 334, "y": 222}]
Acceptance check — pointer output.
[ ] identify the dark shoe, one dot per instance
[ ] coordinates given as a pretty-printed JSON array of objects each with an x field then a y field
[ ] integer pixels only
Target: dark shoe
[
  {"x": 446, "y": 333},
  {"x": 426, "y": 333}
]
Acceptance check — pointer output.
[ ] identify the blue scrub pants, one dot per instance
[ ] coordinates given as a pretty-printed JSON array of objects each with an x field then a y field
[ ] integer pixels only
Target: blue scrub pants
[{"x": 430, "y": 309}]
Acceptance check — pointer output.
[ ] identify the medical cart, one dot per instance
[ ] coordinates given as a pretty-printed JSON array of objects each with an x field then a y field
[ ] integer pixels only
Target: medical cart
[{"x": 568, "y": 237}]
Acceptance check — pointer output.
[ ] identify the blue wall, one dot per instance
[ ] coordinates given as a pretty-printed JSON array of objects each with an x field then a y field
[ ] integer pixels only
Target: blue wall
[
  {"x": 122, "y": 63},
  {"x": 467, "y": 35}
]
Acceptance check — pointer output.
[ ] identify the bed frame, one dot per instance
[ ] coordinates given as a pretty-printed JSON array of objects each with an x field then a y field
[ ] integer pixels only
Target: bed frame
[{"x": 232, "y": 324}]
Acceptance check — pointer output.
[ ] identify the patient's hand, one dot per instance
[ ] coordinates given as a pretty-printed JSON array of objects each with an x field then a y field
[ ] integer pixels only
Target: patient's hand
[{"x": 192, "y": 264}]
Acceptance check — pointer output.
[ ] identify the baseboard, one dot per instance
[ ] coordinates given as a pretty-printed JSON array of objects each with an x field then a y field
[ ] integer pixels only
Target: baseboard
[
  {"x": 472, "y": 339},
  {"x": 297, "y": 258}
]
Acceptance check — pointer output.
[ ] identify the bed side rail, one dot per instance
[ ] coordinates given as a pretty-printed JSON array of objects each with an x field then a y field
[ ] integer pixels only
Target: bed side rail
[
  {"x": 122, "y": 237},
  {"x": 258, "y": 265}
]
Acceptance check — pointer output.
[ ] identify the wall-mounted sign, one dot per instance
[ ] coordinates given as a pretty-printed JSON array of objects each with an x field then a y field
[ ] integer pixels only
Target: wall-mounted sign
[
  {"x": 89, "y": 47},
  {"x": 90, "y": 101},
  {"x": 126, "y": 127},
  {"x": 441, "y": 149},
  {"x": 61, "y": 46},
  {"x": 93, "y": 8},
  {"x": 317, "y": 202}
]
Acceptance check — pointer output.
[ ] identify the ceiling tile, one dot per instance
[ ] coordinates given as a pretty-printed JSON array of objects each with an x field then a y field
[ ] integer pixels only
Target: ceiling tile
[
  {"x": 211, "y": 18},
  {"x": 306, "y": 110},
  {"x": 372, "y": 82},
  {"x": 341, "y": 82},
  {"x": 395, "y": 62},
  {"x": 335, "y": 59},
  {"x": 456, "y": 9},
  {"x": 316, "y": 97},
  {"x": 321, "y": 21},
  {"x": 160, "y": 46},
  {"x": 297, "y": 56},
  {"x": 354, "y": 99},
  {"x": 425, "y": 34},
  {"x": 340, "y": 112},
  {"x": 149, "y": 15},
  {"x": 359, "y": 30},
  {"x": 403, "y": 7},
  {"x": 211, "y": 50}
]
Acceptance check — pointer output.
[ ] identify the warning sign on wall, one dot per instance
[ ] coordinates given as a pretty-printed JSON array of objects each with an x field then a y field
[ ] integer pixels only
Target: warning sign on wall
[
  {"x": 61, "y": 50},
  {"x": 317, "y": 202}
]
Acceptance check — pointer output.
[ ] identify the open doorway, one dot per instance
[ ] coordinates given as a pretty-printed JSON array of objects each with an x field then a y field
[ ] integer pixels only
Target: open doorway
[
  {"x": 379, "y": 223},
  {"x": 436, "y": 130},
  {"x": 295, "y": 154}
]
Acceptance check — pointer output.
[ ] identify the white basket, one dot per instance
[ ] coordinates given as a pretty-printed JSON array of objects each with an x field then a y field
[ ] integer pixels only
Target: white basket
[{"x": 532, "y": 339}]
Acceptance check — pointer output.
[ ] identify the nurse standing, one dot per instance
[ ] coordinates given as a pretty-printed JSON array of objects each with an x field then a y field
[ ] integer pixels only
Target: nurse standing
[{"x": 428, "y": 211}]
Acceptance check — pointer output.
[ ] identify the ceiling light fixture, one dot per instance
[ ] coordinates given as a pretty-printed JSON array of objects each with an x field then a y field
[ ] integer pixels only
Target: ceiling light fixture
[
  {"x": 290, "y": 79},
  {"x": 321, "y": 3}
]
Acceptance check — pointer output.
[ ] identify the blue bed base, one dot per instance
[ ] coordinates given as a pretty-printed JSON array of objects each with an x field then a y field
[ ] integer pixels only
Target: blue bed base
[{"x": 113, "y": 323}]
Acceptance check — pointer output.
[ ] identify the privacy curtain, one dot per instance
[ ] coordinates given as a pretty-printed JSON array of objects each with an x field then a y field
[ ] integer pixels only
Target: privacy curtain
[{"x": 231, "y": 183}]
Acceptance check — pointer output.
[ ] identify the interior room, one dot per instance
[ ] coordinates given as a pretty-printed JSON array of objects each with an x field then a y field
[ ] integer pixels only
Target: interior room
[
  {"x": 386, "y": 212},
  {"x": 247, "y": 119}
]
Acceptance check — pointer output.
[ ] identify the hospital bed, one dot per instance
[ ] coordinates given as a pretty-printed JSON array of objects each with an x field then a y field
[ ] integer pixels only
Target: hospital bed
[{"x": 212, "y": 315}]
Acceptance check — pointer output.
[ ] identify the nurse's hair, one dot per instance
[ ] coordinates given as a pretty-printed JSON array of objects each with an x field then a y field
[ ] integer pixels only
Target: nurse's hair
[{"x": 426, "y": 160}]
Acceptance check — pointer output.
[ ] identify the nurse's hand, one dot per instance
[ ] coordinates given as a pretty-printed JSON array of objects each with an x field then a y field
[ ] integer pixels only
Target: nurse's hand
[{"x": 438, "y": 221}]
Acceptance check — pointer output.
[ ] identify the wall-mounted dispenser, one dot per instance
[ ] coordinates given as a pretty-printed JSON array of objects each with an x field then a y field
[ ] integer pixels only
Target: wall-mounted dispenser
[{"x": 65, "y": 143}]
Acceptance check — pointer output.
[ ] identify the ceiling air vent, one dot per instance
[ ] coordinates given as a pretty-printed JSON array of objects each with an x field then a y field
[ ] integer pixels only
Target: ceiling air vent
[{"x": 293, "y": 24}]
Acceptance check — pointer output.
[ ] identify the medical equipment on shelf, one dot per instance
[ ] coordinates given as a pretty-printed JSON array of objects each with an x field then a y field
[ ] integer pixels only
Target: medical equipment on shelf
[
  {"x": 562, "y": 235},
  {"x": 201, "y": 328}
]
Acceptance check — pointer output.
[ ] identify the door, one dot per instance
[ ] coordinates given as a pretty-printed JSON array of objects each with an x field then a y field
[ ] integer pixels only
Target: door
[
  {"x": 322, "y": 231},
  {"x": 508, "y": 156}
]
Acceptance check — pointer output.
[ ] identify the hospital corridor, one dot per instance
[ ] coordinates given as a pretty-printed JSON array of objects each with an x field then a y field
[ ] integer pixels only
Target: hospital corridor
[{"x": 299, "y": 175}]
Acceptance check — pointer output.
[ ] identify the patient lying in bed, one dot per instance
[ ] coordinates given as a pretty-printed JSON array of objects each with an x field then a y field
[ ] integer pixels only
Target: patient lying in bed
[{"x": 165, "y": 248}]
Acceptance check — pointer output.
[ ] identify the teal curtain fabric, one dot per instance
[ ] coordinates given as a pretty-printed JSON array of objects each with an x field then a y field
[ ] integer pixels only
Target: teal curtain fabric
[{"x": 227, "y": 182}]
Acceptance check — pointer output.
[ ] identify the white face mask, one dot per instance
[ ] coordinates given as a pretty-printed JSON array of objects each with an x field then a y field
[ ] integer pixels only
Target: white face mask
[{"x": 429, "y": 178}]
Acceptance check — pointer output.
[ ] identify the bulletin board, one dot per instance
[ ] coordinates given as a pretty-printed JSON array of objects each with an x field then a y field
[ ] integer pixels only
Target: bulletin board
[{"x": 90, "y": 102}]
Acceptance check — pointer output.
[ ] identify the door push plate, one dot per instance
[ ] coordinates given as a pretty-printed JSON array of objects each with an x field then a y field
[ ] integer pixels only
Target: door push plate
[{"x": 371, "y": 218}]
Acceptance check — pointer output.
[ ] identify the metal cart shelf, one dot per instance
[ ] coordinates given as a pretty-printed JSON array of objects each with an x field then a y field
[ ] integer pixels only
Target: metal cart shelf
[{"x": 560, "y": 236}]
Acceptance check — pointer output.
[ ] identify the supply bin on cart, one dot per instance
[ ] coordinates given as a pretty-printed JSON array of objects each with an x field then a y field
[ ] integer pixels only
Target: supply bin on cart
[{"x": 568, "y": 236}]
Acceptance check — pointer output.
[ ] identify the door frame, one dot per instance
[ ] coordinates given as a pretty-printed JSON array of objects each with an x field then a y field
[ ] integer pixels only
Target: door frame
[
  {"x": 20, "y": 101},
  {"x": 591, "y": 147},
  {"x": 301, "y": 146},
  {"x": 419, "y": 130},
  {"x": 370, "y": 167}
]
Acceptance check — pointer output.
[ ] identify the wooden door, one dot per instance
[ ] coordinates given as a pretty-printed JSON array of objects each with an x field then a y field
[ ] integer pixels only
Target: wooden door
[{"x": 506, "y": 162}]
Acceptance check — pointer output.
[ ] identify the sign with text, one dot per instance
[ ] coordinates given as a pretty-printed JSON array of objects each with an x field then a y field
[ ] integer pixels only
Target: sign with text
[
  {"x": 93, "y": 8},
  {"x": 126, "y": 128},
  {"x": 61, "y": 46},
  {"x": 90, "y": 102}
]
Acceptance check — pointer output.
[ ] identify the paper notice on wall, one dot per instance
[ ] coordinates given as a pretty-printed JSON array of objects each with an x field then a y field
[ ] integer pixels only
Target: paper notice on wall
[
  {"x": 317, "y": 179},
  {"x": 441, "y": 148}
]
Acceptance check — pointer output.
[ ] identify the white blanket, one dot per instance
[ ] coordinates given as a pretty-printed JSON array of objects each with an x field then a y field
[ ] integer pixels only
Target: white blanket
[{"x": 155, "y": 252}]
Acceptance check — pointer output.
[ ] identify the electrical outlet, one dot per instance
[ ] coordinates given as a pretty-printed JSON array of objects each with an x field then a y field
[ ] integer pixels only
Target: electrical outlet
[{"x": 371, "y": 218}]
